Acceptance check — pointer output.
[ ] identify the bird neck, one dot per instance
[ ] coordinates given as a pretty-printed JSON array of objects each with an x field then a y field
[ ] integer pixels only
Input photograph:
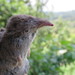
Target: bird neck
[{"x": 18, "y": 43}]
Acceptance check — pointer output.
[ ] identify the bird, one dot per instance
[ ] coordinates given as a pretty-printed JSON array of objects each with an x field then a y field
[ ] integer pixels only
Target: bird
[{"x": 15, "y": 41}]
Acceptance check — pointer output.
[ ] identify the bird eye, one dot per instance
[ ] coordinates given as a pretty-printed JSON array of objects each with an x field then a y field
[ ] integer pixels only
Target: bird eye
[{"x": 30, "y": 20}]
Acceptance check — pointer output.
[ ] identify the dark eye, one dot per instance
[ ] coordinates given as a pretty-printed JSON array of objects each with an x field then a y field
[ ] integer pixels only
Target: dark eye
[{"x": 30, "y": 20}]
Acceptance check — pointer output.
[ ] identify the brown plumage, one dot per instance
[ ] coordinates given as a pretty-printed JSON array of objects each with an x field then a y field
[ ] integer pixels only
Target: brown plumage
[{"x": 15, "y": 42}]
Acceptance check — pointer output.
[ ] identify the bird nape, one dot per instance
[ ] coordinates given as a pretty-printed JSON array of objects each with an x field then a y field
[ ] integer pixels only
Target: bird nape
[{"x": 15, "y": 41}]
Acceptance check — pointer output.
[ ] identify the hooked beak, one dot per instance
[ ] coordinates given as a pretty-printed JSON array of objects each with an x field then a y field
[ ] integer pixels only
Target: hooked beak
[{"x": 42, "y": 23}]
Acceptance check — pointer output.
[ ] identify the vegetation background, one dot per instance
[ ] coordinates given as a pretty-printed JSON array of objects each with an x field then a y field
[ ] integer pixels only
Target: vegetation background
[{"x": 53, "y": 50}]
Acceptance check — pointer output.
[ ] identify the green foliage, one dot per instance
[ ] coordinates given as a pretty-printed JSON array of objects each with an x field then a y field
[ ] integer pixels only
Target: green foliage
[{"x": 9, "y": 8}]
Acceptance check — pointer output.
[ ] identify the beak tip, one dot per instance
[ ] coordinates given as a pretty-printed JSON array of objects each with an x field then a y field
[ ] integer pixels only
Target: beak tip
[
  {"x": 42, "y": 23},
  {"x": 52, "y": 24}
]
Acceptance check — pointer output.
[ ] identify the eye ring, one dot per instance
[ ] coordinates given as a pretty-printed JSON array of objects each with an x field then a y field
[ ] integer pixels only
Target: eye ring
[{"x": 31, "y": 21}]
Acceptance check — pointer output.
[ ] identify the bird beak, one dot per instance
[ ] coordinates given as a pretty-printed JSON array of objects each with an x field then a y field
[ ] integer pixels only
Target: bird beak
[{"x": 42, "y": 23}]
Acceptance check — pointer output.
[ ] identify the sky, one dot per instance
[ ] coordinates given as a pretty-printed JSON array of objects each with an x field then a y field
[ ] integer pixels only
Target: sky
[{"x": 60, "y": 5}]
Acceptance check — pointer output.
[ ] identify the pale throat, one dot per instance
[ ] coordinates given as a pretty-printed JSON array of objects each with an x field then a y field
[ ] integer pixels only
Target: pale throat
[{"x": 23, "y": 42}]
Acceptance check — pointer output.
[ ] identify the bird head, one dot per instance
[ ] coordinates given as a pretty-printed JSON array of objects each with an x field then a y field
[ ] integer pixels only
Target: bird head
[
  {"x": 26, "y": 23},
  {"x": 23, "y": 29}
]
